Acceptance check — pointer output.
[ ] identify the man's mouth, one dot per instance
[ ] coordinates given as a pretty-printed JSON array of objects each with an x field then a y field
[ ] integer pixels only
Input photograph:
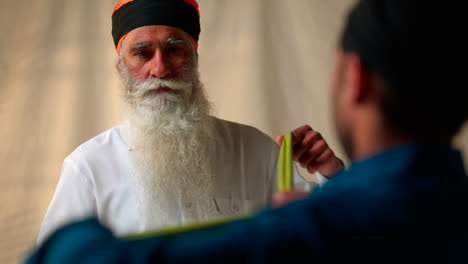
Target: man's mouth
[{"x": 162, "y": 90}]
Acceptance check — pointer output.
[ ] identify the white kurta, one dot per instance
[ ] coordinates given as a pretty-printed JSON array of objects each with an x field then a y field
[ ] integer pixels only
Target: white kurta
[{"x": 96, "y": 179}]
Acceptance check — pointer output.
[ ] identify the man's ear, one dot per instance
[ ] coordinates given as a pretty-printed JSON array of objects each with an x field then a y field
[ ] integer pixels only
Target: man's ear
[
  {"x": 358, "y": 78},
  {"x": 119, "y": 65}
]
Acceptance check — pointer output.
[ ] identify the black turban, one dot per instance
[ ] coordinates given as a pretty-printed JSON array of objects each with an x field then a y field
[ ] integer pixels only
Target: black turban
[
  {"x": 131, "y": 14},
  {"x": 401, "y": 39},
  {"x": 419, "y": 49}
]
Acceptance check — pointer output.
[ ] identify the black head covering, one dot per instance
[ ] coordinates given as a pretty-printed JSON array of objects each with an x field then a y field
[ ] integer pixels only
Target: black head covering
[
  {"x": 419, "y": 49},
  {"x": 403, "y": 38},
  {"x": 129, "y": 15}
]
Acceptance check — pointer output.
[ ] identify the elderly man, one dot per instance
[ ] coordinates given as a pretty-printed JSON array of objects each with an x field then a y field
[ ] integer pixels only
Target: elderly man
[
  {"x": 171, "y": 162},
  {"x": 404, "y": 197}
]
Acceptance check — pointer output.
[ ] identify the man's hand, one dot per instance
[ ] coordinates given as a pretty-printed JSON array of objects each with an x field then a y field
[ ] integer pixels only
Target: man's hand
[
  {"x": 312, "y": 152},
  {"x": 283, "y": 198}
]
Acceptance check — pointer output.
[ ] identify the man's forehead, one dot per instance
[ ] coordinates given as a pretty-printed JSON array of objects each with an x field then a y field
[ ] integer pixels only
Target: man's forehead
[{"x": 157, "y": 33}]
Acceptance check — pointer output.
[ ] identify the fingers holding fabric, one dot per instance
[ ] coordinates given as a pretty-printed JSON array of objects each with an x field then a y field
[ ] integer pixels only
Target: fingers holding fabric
[{"x": 312, "y": 152}]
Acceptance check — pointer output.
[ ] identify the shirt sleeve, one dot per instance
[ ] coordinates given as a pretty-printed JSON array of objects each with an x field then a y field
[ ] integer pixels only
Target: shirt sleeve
[
  {"x": 321, "y": 179},
  {"x": 73, "y": 200},
  {"x": 301, "y": 184}
]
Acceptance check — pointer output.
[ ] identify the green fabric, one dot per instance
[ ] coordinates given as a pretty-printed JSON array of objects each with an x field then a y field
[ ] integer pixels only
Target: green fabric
[{"x": 285, "y": 170}]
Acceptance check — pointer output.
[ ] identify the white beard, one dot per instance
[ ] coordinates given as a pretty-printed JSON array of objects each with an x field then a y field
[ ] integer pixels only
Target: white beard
[{"x": 170, "y": 134}]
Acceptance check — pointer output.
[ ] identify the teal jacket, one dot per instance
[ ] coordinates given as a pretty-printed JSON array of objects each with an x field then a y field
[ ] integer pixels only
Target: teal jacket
[{"x": 406, "y": 205}]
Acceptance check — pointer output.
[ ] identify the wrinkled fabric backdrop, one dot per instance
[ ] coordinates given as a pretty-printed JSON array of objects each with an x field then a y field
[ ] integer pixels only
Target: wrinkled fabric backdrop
[{"x": 265, "y": 63}]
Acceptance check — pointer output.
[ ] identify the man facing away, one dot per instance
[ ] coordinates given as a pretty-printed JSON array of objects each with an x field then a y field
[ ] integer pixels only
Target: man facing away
[
  {"x": 171, "y": 162},
  {"x": 399, "y": 94}
]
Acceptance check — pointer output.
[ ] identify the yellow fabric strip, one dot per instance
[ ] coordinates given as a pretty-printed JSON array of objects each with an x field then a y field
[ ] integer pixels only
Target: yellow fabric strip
[
  {"x": 184, "y": 228},
  {"x": 285, "y": 169}
]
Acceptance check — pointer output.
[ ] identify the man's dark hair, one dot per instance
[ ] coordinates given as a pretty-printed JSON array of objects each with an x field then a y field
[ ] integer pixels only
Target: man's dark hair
[{"x": 418, "y": 49}]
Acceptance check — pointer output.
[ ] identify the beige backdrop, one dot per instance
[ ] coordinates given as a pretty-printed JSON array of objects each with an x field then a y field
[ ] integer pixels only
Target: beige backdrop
[{"x": 264, "y": 62}]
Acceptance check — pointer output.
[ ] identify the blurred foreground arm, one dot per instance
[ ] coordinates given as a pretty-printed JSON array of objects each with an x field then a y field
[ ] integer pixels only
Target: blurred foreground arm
[{"x": 269, "y": 236}]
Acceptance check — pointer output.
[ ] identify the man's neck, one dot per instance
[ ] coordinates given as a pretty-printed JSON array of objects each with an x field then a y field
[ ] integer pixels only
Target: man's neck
[{"x": 374, "y": 137}]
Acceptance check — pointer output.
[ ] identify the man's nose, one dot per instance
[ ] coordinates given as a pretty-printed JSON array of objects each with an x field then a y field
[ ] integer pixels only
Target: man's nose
[{"x": 159, "y": 66}]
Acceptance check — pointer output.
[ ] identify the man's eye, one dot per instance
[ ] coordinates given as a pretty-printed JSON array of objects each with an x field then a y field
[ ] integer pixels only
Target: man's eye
[
  {"x": 174, "y": 50},
  {"x": 143, "y": 53}
]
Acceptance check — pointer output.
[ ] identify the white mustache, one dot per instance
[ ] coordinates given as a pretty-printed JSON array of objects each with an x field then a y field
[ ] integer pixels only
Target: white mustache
[{"x": 142, "y": 87}]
